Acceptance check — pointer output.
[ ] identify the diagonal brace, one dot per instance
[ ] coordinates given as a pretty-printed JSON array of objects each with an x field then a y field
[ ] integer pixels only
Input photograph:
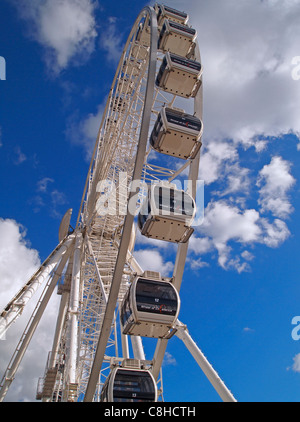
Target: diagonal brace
[{"x": 206, "y": 367}]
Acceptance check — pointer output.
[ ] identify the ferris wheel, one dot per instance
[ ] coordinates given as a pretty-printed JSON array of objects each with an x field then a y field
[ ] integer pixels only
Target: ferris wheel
[{"x": 149, "y": 138}]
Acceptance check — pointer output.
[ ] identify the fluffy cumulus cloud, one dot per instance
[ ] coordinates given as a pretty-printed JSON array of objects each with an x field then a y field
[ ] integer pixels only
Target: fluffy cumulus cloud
[
  {"x": 228, "y": 220},
  {"x": 18, "y": 261},
  {"x": 296, "y": 364},
  {"x": 275, "y": 180},
  {"x": 152, "y": 260},
  {"x": 65, "y": 28},
  {"x": 111, "y": 41},
  {"x": 225, "y": 223},
  {"x": 83, "y": 131}
]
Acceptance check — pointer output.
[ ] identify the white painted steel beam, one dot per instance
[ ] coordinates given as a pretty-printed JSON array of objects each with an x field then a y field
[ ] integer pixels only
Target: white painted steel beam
[
  {"x": 74, "y": 309},
  {"x": 202, "y": 361},
  {"x": 137, "y": 347}
]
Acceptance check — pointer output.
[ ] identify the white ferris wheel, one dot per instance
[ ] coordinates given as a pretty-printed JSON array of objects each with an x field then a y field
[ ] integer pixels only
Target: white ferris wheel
[{"x": 149, "y": 136}]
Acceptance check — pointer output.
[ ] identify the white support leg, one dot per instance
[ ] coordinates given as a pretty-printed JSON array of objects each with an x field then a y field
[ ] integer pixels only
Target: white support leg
[
  {"x": 59, "y": 328},
  {"x": 159, "y": 356},
  {"x": 125, "y": 348},
  {"x": 74, "y": 310},
  {"x": 206, "y": 367},
  {"x": 137, "y": 347},
  {"x": 62, "y": 314}
]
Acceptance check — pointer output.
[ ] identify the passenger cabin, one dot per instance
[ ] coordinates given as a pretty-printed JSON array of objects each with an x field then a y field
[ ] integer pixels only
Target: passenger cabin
[
  {"x": 176, "y": 38},
  {"x": 171, "y": 14},
  {"x": 150, "y": 308},
  {"x": 167, "y": 214},
  {"x": 129, "y": 385},
  {"x": 179, "y": 75},
  {"x": 177, "y": 134},
  {"x": 143, "y": 34}
]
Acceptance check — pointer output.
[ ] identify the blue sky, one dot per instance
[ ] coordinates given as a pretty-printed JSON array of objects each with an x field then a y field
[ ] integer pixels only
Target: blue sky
[{"x": 240, "y": 289}]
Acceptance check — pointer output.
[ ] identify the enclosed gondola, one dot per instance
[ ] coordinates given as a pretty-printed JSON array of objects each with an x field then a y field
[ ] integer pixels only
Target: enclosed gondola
[
  {"x": 143, "y": 34},
  {"x": 177, "y": 134},
  {"x": 150, "y": 308},
  {"x": 129, "y": 385},
  {"x": 179, "y": 75},
  {"x": 177, "y": 38},
  {"x": 164, "y": 12},
  {"x": 167, "y": 214}
]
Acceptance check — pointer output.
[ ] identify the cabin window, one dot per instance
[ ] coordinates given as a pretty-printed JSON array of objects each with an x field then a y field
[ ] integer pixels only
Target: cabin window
[
  {"x": 126, "y": 310},
  {"x": 173, "y": 201},
  {"x": 156, "y": 297},
  {"x": 133, "y": 386}
]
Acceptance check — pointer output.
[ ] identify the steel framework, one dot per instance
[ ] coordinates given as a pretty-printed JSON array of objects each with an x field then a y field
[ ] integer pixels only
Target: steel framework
[{"x": 94, "y": 265}]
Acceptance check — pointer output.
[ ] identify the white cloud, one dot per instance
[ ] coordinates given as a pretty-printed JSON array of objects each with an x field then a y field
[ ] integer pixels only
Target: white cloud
[
  {"x": 111, "y": 41},
  {"x": 151, "y": 260},
  {"x": 42, "y": 184},
  {"x": 84, "y": 131},
  {"x": 275, "y": 181},
  {"x": 248, "y": 256},
  {"x": 296, "y": 364},
  {"x": 196, "y": 264},
  {"x": 17, "y": 260},
  {"x": 274, "y": 234},
  {"x": 248, "y": 330},
  {"x": 200, "y": 245},
  {"x": 57, "y": 200},
  {"x": 65, "y": 28},
  {"x": 213, "y": 158},
  {"x": 225, "y": 224},
  {"x": 169, "y": 359},
  {"x": 53, "y": 198},
  {"x": 19, "y": 157},
  {"x": 222, "y": 224}
]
